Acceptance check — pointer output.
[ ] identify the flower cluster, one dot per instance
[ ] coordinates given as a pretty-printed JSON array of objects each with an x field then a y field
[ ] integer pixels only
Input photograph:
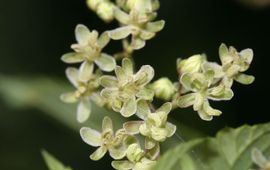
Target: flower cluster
[
  {"x": 127, "y": 88},
  {"x": 201, "y": 81},
  {"x": 131, "y": 93}
]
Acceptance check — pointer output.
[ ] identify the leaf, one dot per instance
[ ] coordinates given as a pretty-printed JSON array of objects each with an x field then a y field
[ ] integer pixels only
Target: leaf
[
  {"x": 43, "y": 93},
  {"x": 230, "y": 150},
  {"x": 52, "y": 162}
]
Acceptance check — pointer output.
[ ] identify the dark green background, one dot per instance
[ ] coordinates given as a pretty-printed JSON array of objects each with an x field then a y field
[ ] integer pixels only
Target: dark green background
[{"x": 34, "y": 34}]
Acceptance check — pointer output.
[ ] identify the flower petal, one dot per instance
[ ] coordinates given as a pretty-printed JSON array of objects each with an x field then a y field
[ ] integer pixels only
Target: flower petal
[
  {"x": 171, "y": 129},
  {"x": 209, "y": 110},
  {"x": 108, "y": 93},
  {"x": 120, "y": 33},
  {"x": 219, "y": 73},
  {"x": 146, "y": 35},
  {"x": 83, "y": 110},
  {"x": 103, "y": 40},
  {"x": 129, "y": 107},
  {"x": 71, "y": 58},
  {"x": 99, "y": 153},
  {"x": 204, "y": 116},
  {"x": 106, "y": 62},
  {"x": 186, "y": 100},
  {"x": 132, "y": 127},
  {"x": 86, "y": 71},
  {"x": 244, "y": 79},
  {"x": 149, "y": 143},
  {"x": 91, "y": 136},
  {"x": 137, "y": 43},
  {"x": 121, "y": 16},
  {"x": 247, "y": 55},
  {"x": 118, "y": 152},
  {"x": 186, "y": 81},
  {"x": 155, "y": 26},
  {"x": 144, "y": 75},
  {"x": 220, "y": 93},
  {"x": 154, "y": 152},
  {"x": 82, "y": 34},
  {"x": 107, "y": 124},
  {"x": 122, "y": 165},
  {"x": 142, "y": 109},
  {"x": 69, "y": 97},
  {"x": 198, "y": 103},
  {"x": 73, "y": 75},
  {"x": 127, "y": 66},
  {"x": 108, "y": 81},
  {"x": 165, "y": 108},
  {"x": 224, "y": 54},
  {"x": 146, "y": 94},
  {"x": 97, "y": 99}
]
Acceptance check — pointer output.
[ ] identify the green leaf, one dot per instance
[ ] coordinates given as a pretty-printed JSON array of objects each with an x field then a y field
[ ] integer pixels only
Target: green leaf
[
  {"x": 231, "y": 149},
  {"x": 52, "y": 162},
  {"x": 43, "y": 93}
]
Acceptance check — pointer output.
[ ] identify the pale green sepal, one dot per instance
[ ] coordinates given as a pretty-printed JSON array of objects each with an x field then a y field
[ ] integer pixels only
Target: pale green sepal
[
  {"x": 83, "y": 110},
  {"x": 91, "y": 136},
  {"x": 244, "y": 79},
  {"x": 72, "y": 58},
  {"x": 120, "y": 33},
  {"x": 129, "y": 107},
  {"x": 155, "y": 26},
  {"x": 122, "y": 165},
  {"x": 99, "y": 153},
  {"x": 106, "y": 62}
]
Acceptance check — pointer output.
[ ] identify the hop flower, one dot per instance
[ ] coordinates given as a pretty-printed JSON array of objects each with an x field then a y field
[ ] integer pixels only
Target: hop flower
[
  {"x": 88, "y": 50},
  {"x": 138, "y": 23},
  {"x": 154, "y": 125},
  {"x": 200, "y": 88},
  {"x": 126, "y": 88},
  {"x": 86, "y": 83},
  {"x": 116, "y": 144},
  {"x": 260, "y": 160},
  {"x": 234, "y": 63},
  {"x": 136, "y": 160}
]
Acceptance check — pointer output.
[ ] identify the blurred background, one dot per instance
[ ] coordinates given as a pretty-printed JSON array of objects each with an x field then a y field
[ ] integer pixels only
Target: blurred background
[{"x": 34, "y": 35}]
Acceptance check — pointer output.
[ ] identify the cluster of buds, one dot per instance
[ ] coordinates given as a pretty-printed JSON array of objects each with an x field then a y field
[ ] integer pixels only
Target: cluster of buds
[{"x": 130, "y": 92}]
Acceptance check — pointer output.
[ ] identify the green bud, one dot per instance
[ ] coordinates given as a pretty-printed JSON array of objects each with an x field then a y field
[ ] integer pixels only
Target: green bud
[
  {"x": 92, "y": 4},
  {"x": 190, "y": 65},
  {"x": 163, "y": 88},
  {"x": 131, "y": 4},
  {"x": 105, "y": 11}
]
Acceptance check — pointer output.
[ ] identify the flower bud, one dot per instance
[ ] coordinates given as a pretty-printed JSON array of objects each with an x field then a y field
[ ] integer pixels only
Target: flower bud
[
  {"x": 105, "y": 11},
  {"x": 163, "y": 88},
  {"x": 191, "y": 64},
  {"x": 92, "y": 4}
]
